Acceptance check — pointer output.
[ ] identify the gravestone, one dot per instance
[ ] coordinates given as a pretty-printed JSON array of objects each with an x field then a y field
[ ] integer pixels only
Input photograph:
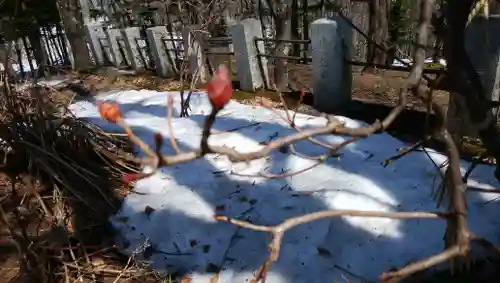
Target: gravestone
[
  {"x": 114, "y": 35},
  {"x": 134, "y": 46},
  {"x": 331, "y": 46},
  {"x": 251, "y": 68},
  {"x": 95, "y": 32},
  {"x": 193, "y": 52},
  {"x": 156, "y": 37}
]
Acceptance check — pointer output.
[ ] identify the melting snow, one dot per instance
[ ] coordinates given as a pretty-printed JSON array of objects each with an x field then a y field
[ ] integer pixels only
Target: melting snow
[{"x": 185, "y": 198}]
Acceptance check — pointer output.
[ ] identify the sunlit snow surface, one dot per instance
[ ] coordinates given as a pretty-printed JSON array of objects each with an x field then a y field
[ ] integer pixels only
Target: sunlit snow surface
[{"x": 185, "y": 198}]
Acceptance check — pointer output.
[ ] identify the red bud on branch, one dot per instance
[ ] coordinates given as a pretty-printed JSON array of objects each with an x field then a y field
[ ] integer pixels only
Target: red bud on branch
[
  {"x": 220, "y": 88},
  {"x": 158, "y": 138},
  {"x": 129, "y": 177},
  {"x": 110, "y": 111}
]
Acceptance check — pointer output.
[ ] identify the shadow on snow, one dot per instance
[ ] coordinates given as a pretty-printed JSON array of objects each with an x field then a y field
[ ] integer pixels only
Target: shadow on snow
[{"x": 311, "y": 252}]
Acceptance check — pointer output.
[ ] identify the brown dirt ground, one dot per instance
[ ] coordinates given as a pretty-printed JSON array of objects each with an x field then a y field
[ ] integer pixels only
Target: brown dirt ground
[
  {"x": 376, "y": 94},
  {"x": 373, "y": 95},
  {"x": 380, "y": 88}
]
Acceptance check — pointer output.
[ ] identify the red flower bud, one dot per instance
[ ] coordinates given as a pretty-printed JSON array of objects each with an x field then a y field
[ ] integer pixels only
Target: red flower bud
[
  {"x": 158, "y": 138},
  {"x": 129, "y": 177},
  {"x": 109, "y": 111},
  {"x": 220, "y": 88}
]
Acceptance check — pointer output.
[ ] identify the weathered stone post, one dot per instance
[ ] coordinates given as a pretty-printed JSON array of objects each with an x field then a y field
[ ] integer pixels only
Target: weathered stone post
[
  {"x": 252, "y": 74},
  {"x": 95, "y": 32},
  {"x": 131, "y": 36},
  {"x": 113, "y": 36},
  {"x": 155, "y": 36},
  {"x": 193, "y": 52},
  {"x": 331, "y": 46}
]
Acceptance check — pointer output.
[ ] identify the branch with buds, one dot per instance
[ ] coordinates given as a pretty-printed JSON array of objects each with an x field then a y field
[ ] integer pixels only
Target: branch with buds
[{"x": 220, "y": 92}]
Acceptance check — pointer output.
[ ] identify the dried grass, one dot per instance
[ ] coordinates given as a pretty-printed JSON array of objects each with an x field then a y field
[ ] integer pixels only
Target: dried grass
[{"x": 60, "y": 182}]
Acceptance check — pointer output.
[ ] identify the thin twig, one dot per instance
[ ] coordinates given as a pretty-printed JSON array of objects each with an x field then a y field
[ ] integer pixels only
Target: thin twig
[
  {"x": 170, "y": 109},
  {"x": 457, "y": 234}
]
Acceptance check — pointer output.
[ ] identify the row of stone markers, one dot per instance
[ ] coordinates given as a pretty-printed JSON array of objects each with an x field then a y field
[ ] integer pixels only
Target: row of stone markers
[{"x": 330, "y": 46}]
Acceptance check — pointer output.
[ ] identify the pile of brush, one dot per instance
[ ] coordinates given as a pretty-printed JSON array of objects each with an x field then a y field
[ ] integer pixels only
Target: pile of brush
[{"x": 59, "y": 182}]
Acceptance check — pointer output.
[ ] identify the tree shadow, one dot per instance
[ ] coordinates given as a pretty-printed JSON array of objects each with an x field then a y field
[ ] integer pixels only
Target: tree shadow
[{"x": 187, "y": 240}]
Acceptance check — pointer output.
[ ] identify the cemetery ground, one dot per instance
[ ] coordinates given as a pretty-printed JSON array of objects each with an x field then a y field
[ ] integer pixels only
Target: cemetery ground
[
  {"x": 85, "y": 169},
  {"x": 373, "y": 97}
]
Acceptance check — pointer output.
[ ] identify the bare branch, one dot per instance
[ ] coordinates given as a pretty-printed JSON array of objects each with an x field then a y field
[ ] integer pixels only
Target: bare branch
[
  {"x": 279, "y": 230},
  {"x": 420, "y": 265},
  {"x": 458, "y": 236},
  {"x": 170, "y": 109}
]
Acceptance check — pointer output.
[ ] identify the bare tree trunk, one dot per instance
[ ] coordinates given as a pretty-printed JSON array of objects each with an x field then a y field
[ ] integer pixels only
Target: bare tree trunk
[
  {"x": 283, "y": 31},
  {"x": 73, "y": 27},
  {"x": 378, "y": 31},
  {"x": 345, "y": 7},
  {"x": 494, "y": 6},
  {"x": 4, "y": 57},
  {"x": 305, "y": 22},
  {"x": 395, "y": 23},
  {"x": 40, "y": 55},
  {"x": 358, "y": 16},
  {"x": 295, "y": 27},
  {"x": 466, "y": 89}
]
